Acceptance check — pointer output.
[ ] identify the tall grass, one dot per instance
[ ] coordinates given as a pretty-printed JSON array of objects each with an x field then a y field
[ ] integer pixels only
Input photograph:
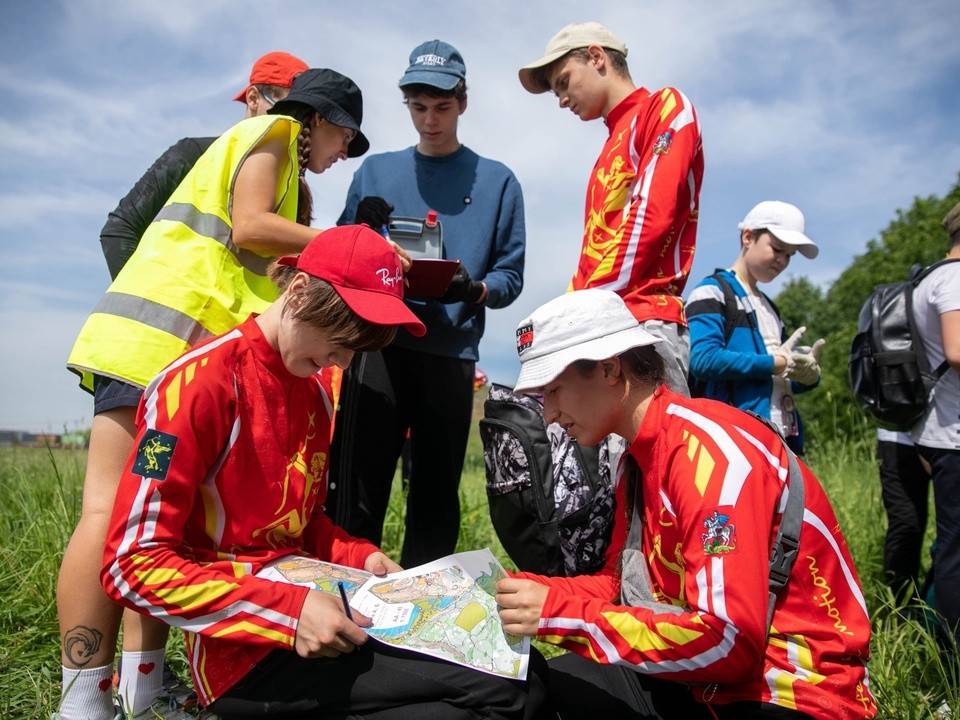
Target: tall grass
[
  {"x": 40, "y": 493},
  {"x": 40, "y": 501}
]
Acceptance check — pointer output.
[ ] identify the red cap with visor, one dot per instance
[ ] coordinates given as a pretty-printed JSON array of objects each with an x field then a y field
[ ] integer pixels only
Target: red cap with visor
[
  {"x": 274, "y": 68},
  {"x": 364, "y": 270}
]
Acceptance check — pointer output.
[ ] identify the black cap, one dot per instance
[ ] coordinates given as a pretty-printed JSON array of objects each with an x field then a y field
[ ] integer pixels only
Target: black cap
[{"x": 336, "y": 97}]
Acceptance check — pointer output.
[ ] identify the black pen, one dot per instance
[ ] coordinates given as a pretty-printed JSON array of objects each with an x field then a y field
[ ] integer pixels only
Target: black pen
[{"x": 346, "y": 605}]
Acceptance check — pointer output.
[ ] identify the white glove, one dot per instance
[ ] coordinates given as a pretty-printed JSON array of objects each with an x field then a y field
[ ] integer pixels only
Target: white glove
[
  {"x": 786, "y": 351},
  {"x": 806, "y": 368}
]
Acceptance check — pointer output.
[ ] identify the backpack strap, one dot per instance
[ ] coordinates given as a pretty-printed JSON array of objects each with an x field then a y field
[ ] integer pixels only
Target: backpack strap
[
  {"x": 731, "y": 308},
  {"x": 786, "y": 545},
  {"x": 730, "y": 305}
]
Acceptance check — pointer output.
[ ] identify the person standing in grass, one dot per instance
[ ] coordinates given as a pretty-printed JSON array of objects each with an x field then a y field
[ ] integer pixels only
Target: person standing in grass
[
  {"x": 936, "y": 309},
  {"x": 643, "y": 197},
  {"x": 424, "y": 386},
  {"x": 676, "y": 623},
  {"x": 270, "y": 79},
  {"x": 229, "y": 474},
  {"x": 749, "y": 361},
  {"x": 199, "y": 269}
]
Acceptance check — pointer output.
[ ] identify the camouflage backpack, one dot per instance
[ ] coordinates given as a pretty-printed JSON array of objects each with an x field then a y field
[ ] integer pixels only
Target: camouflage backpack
[{"x": 551, "y": 500}]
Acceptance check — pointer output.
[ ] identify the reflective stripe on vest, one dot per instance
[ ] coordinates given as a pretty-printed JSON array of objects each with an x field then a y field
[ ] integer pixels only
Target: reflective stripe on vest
[
  {"x": 187, "y": 280},
  {"x": 154, "y": 314},
  {"x": 213, "y": 227}
]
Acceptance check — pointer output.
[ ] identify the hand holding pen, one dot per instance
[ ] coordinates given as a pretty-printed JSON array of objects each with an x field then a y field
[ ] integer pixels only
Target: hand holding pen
[
  {"x": 346, "y": 603},
  {"x": 327, "y": 627}
]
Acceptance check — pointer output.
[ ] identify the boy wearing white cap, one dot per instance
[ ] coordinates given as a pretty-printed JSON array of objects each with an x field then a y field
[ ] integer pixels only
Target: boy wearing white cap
[
  {"x": 642, "y": 202},
  {"x": 676, "y": 623},
  {"x": 740, "y": 351}
]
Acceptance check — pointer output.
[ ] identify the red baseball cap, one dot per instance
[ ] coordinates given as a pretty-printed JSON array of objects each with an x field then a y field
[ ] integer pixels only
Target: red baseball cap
[
  {"x": 274, "y": 68},
  {"x": 364, "y": 270}
]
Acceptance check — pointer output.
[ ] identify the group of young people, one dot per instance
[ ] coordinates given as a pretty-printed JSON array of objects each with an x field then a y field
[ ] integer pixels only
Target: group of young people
[{"x": 211, "y": 446}]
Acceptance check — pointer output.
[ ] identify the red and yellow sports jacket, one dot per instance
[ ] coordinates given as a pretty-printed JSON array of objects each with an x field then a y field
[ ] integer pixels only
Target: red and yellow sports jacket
[
  {"x": 642, "y": 204},
  {"x": 229, "y": 473},
  {"x": 713, "y": 495}
]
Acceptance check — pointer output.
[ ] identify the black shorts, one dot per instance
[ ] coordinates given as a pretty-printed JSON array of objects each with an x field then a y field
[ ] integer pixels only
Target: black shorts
[{"x": 109, "y": 394}]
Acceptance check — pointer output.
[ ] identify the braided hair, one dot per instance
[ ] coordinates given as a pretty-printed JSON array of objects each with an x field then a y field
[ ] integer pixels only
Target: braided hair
[{"x": 306, "y": 116}]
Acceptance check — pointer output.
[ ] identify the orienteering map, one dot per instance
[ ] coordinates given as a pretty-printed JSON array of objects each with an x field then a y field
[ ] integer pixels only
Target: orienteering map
[{"x": 445, "y": 608}]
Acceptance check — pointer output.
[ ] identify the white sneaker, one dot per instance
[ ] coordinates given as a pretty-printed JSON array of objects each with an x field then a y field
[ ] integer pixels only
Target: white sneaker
[{"x": 943, "y": 712}]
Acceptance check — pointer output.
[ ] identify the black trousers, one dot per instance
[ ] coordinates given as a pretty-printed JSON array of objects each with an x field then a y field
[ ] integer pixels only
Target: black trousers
[
  {"x": 581, "y": 689},
  {"x": 905, "y": 489},
  {"x": 946, "y": 562},
  {"x": 386, "y": 394},
  {"x": 378, "y": 682}
]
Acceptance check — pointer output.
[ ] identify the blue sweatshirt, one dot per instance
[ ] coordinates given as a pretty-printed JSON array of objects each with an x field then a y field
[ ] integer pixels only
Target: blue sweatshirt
[{"x": 480, "y": 207}]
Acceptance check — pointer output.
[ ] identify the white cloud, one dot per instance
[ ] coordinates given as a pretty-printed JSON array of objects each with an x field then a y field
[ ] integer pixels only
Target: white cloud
[{"x": 844, "y": 109}]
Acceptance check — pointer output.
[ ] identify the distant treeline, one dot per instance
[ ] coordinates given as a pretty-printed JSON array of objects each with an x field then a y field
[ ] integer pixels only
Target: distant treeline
[
  {"x": 18, "y": 438},
  {"x": 915, "y": 236}
]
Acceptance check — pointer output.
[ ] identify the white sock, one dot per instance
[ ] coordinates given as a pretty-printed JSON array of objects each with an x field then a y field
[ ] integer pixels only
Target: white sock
[
  {"x": 87, "y": 694},
  {"x": 141, "y": 674}
]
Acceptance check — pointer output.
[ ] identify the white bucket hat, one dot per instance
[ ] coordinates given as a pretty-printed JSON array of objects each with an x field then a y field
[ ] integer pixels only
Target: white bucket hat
[
  {"x": 581, "y": 325},
  {"x": 784, "y": 221}
]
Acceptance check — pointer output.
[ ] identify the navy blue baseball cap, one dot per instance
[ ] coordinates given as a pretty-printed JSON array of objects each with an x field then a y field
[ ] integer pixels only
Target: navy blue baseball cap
[{"x": 435, "y": 63}]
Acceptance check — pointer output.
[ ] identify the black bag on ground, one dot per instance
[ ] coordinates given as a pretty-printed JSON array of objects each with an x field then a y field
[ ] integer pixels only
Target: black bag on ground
[
  {"x": 551, "y": 501},
  {"x": 888, "y": 369}
]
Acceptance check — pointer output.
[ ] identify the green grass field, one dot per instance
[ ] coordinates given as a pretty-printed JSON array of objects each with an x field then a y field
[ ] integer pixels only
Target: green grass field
[{"x": 40, "y": 494}]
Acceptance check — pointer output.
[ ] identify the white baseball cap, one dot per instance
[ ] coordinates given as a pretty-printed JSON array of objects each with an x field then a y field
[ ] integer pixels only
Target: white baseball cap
[
  {"x": 572, "y": 37},
  {"x": 581, "y": 325},
  {"x": 785, "y": 223}
]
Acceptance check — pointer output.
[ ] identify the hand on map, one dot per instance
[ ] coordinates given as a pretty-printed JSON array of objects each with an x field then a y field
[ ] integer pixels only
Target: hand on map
[
  {"x": 521, "y": 605},
  {"x": 323, "y": 629},
  {"x": 379, "y": 564}
]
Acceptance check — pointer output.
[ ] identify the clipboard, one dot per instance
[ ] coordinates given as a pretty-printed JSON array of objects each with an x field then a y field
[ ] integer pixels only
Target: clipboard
[{"x": 429, "y": 278}]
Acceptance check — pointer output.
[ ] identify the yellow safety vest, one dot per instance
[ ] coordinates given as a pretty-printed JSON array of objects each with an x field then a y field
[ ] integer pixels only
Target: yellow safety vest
[{"x": 187, "y": 281}]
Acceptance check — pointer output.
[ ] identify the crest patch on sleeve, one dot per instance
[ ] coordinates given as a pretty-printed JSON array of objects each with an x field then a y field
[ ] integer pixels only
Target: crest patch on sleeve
[
  {"x": 154, "y": 454},
  {"x": 664, "y": 141},
  {"x": 720, "y": 534}
]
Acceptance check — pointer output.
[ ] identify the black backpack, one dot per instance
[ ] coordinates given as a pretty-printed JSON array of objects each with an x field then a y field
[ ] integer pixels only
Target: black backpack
[
  {"x": 551, "y": 500},
  {"x": 889, "y": 371}
]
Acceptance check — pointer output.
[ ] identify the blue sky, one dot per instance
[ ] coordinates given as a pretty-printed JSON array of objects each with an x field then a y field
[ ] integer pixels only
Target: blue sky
[{"x": 847, "y": 109}]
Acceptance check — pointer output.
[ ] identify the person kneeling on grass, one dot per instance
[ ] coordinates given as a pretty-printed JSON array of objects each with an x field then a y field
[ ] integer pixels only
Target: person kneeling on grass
[
  {"x": 675, "y": 624},
  {"x": 229, "y": 473}
]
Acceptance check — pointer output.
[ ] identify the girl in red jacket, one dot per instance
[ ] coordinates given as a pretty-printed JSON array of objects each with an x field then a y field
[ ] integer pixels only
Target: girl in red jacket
[{"x": 229, "y": 474}]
